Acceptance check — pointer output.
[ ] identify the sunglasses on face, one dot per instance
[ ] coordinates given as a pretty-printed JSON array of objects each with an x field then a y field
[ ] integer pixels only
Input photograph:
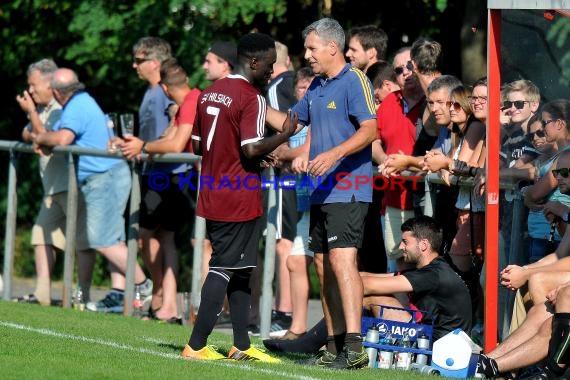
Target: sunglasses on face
[
  {"x": 455, "y": 105},
  {"x": 399, "y": 70},
  {"x": 410, "y": 65},
  {"x": 546, "y": 122},
  {"x": 538, "y": 133},
  {"x": 563, "y": 172},
  {"x": 139, "y": 60},
  {"x": 519, "y": 104}
]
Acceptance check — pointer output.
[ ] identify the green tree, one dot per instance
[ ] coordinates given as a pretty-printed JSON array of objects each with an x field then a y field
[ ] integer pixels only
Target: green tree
[{"x": 95, "y": 39}]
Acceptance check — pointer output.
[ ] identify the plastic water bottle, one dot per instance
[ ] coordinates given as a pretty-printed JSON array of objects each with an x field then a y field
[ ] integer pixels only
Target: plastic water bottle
[
  {"x": 423, "y": 343},
  {"x": 79, "y": 299},
  {"x": 425, "y": 369},
  {"x": 137, "y": 303},
  {"x": 385, "y": 357},
  {"x": 372, "y": 336},
  {"x": 404, "y": 358}
]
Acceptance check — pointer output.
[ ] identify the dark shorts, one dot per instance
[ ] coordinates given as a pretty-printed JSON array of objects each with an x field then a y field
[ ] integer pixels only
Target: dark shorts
[
  {"x": 337, "y": 225},
  {"x": 287, "y": 214},
  {"x": 168, "y": 209},
  {"x": 234, "y": 244}
]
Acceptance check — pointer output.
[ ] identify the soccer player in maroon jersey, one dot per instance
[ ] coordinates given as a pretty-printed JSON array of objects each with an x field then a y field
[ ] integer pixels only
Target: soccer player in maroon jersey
[{"x": 228, "y": 134}]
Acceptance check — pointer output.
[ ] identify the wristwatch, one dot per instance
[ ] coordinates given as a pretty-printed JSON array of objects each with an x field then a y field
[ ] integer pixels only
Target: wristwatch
[
  {"x": 566, "y": 217},
  {"x": 143, "y": 148}
]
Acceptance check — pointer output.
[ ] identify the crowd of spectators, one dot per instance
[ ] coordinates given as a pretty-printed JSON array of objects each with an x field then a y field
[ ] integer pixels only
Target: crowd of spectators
[{"x": 355, "y": 110}]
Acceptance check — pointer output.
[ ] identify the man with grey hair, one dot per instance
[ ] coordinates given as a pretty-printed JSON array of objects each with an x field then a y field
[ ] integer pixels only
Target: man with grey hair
[
  {"x": 104, "y": 185},
  {"x": 340, "y": 96},
  {"x": 48, "y": 231}
]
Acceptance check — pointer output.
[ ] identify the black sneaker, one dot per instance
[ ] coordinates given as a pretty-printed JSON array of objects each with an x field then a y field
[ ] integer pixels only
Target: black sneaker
[
  {"x": 566, "y": 375},
  {"x": 486, "y": 367},
  {"x": 323, "y": 358},
  {"x": 28, "y": 298},
  {"x": 253, "y": 330},
  {"x": 280, "y": 323},
  {"x": 348, "y": 359},
  {"x": 544, "y": 374},
  {"x": 529, "y": 371}
]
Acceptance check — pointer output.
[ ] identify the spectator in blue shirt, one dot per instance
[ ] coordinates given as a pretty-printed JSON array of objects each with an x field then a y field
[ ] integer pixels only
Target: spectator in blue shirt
[{"x": 104, "y": 185}]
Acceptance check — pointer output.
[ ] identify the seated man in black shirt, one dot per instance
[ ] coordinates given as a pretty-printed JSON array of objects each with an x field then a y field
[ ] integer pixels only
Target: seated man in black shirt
[{"x": 432, "y": 287}]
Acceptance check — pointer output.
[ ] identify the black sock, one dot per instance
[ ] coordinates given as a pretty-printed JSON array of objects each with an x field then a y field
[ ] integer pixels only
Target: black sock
[
  {"x": 331, "y": 345},
  {"x": 339, "y": 341},
  {"x": 211, "y": 303},
  {"x": 353, "y": 342},
  {"x": 558, "y": 348},
  {"x": 239, "y": 297}
]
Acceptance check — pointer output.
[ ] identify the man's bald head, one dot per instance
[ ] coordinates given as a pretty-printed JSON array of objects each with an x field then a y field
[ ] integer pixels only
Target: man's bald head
[
  {"x": 63, "y": 78},
  {"x": 65, "y": 83}
]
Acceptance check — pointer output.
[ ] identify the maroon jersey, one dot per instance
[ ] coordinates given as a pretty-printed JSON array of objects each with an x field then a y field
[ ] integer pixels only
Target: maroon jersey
[{"x": 231, "y": 114}]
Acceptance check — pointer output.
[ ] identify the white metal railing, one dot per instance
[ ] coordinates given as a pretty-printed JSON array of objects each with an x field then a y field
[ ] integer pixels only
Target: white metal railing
[{"x": 14, "y": 147}]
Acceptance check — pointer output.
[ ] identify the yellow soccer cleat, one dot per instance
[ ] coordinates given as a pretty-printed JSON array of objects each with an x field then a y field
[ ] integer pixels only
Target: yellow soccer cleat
[
  {"x": 206, "y": 353},
  {"x": 251, "y": 354}
]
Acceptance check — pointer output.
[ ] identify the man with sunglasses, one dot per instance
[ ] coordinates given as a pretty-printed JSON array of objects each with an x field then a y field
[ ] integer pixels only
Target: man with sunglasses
[
  {"x": 397, "y": 133},
  {"x": 415, "y": 97},
  {"x": 521, "y": 101},
  {"x": 156, "y": 230},
  {"x": 425, "y": 66}
]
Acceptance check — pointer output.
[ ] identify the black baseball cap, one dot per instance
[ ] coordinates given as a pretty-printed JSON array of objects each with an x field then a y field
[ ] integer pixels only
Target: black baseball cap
[{"x": 226, "y": 50}]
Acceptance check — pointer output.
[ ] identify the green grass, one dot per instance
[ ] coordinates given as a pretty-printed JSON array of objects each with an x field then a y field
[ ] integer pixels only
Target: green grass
[{"x": 53, "y": 343}]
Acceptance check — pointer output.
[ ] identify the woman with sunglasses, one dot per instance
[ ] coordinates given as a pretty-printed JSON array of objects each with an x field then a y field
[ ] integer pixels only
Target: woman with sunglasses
[
  {"x": 468, "y": 135},
  {"x": 539, "y": 239},
  {"x": 543, "y": 236}
]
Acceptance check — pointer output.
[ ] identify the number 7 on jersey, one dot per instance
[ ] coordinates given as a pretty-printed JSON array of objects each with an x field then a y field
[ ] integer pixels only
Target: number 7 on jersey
[{"x": 215, "y": 111}]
